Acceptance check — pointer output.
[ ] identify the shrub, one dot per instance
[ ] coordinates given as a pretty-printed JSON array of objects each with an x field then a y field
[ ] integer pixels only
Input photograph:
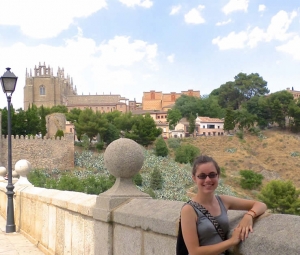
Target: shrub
[
  {"x": 71, "y": 183},
  {"x": 161, "y": 148},
  {"x": 223, "y": 172},
  {"x": 254, "y": 130},
  {"x": 97, "y": 185},
  {"x": 137, "y": 179},
  {"x": 85, "y": 142},
  {"x": 59, "y": 133},
  {"x": 186, "y": 153},
  {"x": 174, "y": 143},
  {"x": 250, "y": 179},
  {"x": 281, "y": 197},
  {"x": 150, "y": 192},
  {"x": 240, "y": 134},
  {"x": 77, "y": 143},
  {"x": 100, "y": 146},
  {"x": 156, "y": 180}
]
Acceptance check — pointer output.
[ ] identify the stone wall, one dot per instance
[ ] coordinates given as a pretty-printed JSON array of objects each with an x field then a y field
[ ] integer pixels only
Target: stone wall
[
  {"x": 41, "y": 153},
  {"x": 62, "y": 222},
  {"x": 123, "y": 220}
]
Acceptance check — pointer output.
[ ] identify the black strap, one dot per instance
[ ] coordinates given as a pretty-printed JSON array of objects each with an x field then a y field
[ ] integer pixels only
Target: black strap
[{"x": 212, "y": 219}]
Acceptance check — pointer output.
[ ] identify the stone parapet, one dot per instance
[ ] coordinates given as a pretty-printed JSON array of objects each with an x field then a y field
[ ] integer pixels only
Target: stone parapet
[{"x": 61, "y": 222}]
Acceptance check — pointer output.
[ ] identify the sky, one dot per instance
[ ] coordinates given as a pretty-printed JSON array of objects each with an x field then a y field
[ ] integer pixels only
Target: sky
[{"x": 128, "y": 47}]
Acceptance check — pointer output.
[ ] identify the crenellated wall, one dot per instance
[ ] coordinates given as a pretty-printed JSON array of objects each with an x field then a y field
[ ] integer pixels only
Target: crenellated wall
[{"x": 41, "y": 153}]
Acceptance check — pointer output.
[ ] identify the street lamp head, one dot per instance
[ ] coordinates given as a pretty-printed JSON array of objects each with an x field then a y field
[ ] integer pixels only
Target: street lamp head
[{"x": 8, "y": 82}]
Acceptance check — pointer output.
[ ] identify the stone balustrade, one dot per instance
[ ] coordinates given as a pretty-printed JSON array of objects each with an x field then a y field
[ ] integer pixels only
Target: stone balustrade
[{"x": 123, "y": 220}]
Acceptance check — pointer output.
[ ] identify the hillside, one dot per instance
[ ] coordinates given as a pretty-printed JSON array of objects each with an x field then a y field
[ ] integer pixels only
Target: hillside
[{"x": 275, "y": 154}]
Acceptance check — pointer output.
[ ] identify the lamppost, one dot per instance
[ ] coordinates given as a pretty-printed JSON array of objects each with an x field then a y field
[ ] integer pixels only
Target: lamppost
[{"x": 8, "y": 82}]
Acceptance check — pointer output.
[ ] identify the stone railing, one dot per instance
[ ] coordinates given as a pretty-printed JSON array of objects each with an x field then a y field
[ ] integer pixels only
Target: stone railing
[{"x": 124, "y": 220}]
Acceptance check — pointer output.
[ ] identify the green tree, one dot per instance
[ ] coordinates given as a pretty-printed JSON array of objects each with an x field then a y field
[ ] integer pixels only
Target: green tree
[
  {"x": 59, "y": 109},
  {"x": 111, "y": 134},
  {"x": 281, "y": 197},
  {"x": 250, "y": 85},
  {"x": 73, "y": 115},
  {"x": 20, "y": 122},
  {"x": 186, "y": 153},
  {"x": 209, "y": 107},
  {"x": 187, "y": 105},
  {"x": 43, "y": 121},
  {"x": 250, "y": 179},
  {"x": 173, "y": 118},
  {"x": 90, "y": 123},
  {"x": 161, "y": 148},
  {"x": 192, "y": 124},
  {"x": 294, "y": 113},
  {"x": 233, "y": 93},
  {"x": 124, "y": 122},
  {"x": 244, "y": 119},
  {"x": 33, "y": 120},
  {"x": 258, "y": 106},
  {"x": 279, "y": 104},
  {"x": 156, "y": 179},
  {"x": 229, "y": 121},
  {"x": 4, "y": 124},
  {"x": 144, "y": 130},
  {"x": 229, "y": 96}
]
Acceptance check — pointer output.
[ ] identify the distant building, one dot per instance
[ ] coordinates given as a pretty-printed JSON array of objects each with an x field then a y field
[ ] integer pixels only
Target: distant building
[
  {"x": 156, "y": 100},
  {"x": 209, "y": 126},
  {"x": 204, "y": 126},
  {"x": 43, "y": 88},
  {"x": 295, "y": 93}
]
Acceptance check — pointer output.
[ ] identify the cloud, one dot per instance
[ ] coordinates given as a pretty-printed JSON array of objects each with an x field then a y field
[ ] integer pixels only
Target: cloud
[
  {"x": 175, "y": 9},
  {"x": 141, "y": 3},
  {"x": 109, "y": 66},
  {"x": 39, "y": 21},
  {"x": 279, "y": 26},
  {"x": 277, "y": 30},
  {"x": 292, "y": 47},
  {"x": 194, "y": 16},
  {"x": 261, "y": 8},
  {"x": 171, "y": 58},
  {"x": 223, "y": 22},
  {"x": 232, "y": 41},
  {"x": 235, "y": 5}
]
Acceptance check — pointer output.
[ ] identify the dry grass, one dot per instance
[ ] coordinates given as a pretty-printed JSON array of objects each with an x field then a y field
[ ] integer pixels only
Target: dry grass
[{"x": 270, "y": 156}]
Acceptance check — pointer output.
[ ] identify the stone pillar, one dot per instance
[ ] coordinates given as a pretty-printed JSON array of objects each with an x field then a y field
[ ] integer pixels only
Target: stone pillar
[{"x": 123, "y": 158}]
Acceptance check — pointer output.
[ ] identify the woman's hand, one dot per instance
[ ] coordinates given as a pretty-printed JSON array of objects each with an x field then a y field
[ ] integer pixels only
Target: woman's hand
[
  {"x": 246, "y": 225},
  {"x": 236, "y": 235}
]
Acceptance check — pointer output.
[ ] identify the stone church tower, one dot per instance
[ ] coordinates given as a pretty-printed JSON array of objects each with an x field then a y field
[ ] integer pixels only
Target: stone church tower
[{"x": 43, "y": 88}]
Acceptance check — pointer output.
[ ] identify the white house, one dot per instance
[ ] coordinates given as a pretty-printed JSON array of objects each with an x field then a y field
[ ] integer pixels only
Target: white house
[{"x": 209, "y": 126}]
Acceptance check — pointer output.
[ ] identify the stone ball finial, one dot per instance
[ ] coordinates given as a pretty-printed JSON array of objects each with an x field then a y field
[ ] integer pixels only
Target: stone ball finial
[
  {"x": 124, "y": 158},
  {"x": 23, "y": 167},
  {"x": 2, "y": 171}
]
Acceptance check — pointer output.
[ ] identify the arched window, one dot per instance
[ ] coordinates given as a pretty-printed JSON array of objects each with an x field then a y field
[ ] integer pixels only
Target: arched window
[{"x": 42, "y": 90}]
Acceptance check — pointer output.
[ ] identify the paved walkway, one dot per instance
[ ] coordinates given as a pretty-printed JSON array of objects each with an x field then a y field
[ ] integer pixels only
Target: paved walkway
[{"x": 15, "y": 243}]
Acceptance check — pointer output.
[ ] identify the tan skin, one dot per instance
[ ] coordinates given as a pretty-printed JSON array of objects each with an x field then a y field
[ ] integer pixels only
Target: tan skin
[{"x": 206, "y": 197}]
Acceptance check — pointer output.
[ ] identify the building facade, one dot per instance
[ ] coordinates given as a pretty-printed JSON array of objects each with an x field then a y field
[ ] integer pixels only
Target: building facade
[
  {"x": 43, "y": 88},
  {"x": 295, "y": 93},
  {"x": 156, "y": 100}
]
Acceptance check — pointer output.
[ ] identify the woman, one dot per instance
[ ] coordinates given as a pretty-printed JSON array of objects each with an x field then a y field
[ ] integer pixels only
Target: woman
[{"x": 199, "y": 233}]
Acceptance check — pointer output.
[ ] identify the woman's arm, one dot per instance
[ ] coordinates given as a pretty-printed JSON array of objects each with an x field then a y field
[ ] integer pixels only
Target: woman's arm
[
  {"x": 253, "y": 208},
  {"x": 190, "y": 236}
]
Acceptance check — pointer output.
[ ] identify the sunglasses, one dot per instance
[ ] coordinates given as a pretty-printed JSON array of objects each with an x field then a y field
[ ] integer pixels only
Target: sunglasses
[{"x": 211, "y": 175}]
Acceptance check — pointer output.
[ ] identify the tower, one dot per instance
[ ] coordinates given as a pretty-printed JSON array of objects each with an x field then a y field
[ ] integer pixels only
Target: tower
[{"x": 43, "y": 88}]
